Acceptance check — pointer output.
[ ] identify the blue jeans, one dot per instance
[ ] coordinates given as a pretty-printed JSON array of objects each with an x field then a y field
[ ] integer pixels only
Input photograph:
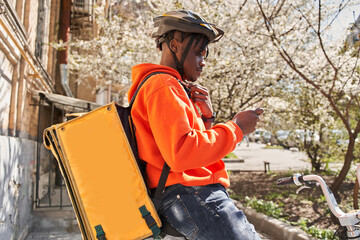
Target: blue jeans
[{"x": 205, "y": 212}]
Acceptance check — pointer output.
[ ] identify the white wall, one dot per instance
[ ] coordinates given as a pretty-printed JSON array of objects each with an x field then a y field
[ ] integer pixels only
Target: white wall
[{"x": 17, "y": 163}]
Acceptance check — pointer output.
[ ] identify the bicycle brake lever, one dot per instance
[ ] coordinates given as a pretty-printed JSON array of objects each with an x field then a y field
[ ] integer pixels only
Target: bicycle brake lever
[
  {"x": 307, "y": 185},
  {"x": 301, "y": 188},
  {"x": 312, "y": 184}
]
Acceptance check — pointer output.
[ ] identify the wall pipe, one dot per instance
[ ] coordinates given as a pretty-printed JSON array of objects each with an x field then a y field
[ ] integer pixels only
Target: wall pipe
[
  {"x": 22, "y": 36},
  {"x": 64, "y": 31}
]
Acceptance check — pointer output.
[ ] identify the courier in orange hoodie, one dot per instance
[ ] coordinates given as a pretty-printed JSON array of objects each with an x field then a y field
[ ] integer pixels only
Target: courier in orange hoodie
[{"x": 173, "y": 118}]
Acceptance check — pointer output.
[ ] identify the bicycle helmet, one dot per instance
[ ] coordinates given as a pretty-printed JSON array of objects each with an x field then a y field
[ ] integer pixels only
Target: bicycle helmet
[{"x": 184, "y": 21}]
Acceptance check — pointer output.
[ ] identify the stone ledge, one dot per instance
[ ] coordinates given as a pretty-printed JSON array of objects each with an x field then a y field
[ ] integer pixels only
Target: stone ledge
[
  {"x": 271, "y": 226},
  {"x": 233, "y": 160}
]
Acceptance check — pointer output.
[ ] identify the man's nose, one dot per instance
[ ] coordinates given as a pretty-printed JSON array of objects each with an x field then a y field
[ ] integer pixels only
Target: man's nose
[{"x": 202, "y": 62}]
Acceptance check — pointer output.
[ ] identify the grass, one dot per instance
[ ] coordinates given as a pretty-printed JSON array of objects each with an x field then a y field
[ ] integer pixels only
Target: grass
[
  {"x": 267, "y": 207},
  {"x": 272, "y": 209},
  {"x": 231, "y": 155},
  {"x": 314, "y": 231},
  {"x": 273, "y": 147}
]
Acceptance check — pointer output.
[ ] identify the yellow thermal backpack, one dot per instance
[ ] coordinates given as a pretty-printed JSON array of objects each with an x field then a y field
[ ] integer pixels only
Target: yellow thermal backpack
[{"x": 97, "y": 155}]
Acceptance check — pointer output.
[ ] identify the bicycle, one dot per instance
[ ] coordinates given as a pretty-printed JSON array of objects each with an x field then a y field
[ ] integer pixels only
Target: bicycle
[{"x": 348, "y": 221}]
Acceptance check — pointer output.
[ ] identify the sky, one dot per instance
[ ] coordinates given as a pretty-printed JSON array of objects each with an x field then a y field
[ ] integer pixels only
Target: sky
[{"x": 347, "y": 16}]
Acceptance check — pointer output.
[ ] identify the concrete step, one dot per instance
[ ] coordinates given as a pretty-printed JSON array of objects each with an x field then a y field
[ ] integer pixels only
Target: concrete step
[
  {"x": 54, "y": 236},
  {"x": 55, "y": 220}
]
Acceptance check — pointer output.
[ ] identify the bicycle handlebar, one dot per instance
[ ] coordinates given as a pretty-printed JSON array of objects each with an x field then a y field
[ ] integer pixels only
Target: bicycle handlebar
[
  {"x": 346, "y": 219},
  {"x": 349, "y": 220},
  {"x": 284, "y": 181},
  {"x": 297, "y": 179}
]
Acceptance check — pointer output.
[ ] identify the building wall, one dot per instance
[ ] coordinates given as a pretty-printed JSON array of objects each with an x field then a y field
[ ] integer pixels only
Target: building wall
[
  {"x": 18, "y": 108},
  {"x": 16, "y": 169},
  {"x": 21, "y": 56},
  {"x": 6, "y": 69}
]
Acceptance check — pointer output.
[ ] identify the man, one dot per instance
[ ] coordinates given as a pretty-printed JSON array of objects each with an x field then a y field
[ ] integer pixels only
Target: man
[{"x": 169, "y": 128}]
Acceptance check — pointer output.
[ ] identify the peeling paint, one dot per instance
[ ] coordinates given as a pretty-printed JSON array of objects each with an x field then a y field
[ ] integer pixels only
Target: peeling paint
[{"x": 15, "y": 210}]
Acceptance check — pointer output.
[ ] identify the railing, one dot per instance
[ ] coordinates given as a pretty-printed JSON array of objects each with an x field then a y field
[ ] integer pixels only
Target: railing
[
  {"x": 82, "y": 19},
  {"x": 50, "y": 190}
]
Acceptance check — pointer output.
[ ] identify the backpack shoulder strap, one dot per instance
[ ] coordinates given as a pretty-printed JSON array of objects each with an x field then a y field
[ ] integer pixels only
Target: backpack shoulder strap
[
  {"x": 140, "y": 85},
  {"x": 166, "y": 169},
  {"x": 161, "y": 185}
]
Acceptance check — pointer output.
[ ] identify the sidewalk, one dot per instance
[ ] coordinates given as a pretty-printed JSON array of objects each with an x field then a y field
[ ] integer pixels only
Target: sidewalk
[
  {"x": 71, "y": 236},
  {"x": 279, "y": 159}
]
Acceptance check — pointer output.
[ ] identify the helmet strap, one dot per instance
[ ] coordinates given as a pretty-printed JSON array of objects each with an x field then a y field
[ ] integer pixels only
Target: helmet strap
[{"x": 180, "y": 64}]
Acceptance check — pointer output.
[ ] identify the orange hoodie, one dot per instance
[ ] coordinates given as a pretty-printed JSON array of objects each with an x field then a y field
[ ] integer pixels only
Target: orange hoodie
[{"x": 169, "y": 128}]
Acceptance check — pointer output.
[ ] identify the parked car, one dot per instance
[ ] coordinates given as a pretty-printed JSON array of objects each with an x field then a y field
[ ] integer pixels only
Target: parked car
[
  {"x": 293, "y": 138},
  {"x": 306, "y": 135},
  {"x": 341, "y": 137},
  {"x": 281, "y": 137},
  {"x": 260, "y": 135}
]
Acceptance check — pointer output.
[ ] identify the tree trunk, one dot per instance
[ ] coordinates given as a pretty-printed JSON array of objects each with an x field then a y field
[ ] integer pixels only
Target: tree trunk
[
  {"x": 312, "y": 153},
  {"x": 346, "y": 167},
  {"x": 355, "y": 196}
]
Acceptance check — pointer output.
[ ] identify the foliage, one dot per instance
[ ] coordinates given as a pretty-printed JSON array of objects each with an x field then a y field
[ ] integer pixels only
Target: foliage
[
  {"x": 123, "y": 40},
  {"x": 231, "y": 155},
  {"x": 314, "y": 231},
  {"x": 236, "y": 72},
  {"x": 271, "y": 209},
  {"x": 307, "y": 119},
  {"x": 241, "y": 67},
  {"x": 308, "y": 210},
  {"x": 281, "y": 51},
  {"x": 316, "y": 59},
  {"x": 267, "y": 207},
  {"x": 273, "y": 147}
]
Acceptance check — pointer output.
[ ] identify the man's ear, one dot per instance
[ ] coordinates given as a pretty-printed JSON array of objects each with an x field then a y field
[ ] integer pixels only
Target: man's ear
[{"x": 174, "y": 45}]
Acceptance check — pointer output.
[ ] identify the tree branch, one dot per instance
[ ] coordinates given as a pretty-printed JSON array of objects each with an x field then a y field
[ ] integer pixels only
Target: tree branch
[
  {"x": 275, "y": 11},
  {"x": 354, "y": 68},
  {"x": 357, "y": 129},
  {"x": 337, "y": 14},
  {"x": 283, "y": 53},
  {"x": 322, "y": 44}
]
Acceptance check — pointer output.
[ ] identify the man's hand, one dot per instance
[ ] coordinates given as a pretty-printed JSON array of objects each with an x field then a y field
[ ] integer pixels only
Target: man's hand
[
  {"x": 200, "y": 96},
  {"x": 247, "y": 120}
]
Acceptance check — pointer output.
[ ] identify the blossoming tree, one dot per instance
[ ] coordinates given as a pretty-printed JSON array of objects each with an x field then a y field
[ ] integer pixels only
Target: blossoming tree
[
  {"x": 267, "y": 45},
  {"x": 313, "y": 56}
]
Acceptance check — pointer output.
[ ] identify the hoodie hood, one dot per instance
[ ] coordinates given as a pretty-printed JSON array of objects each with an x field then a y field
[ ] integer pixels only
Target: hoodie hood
[{"x": 139, "y": 72}]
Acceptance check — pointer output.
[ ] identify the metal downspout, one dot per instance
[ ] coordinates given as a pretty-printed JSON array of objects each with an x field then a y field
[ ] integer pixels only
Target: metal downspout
[
  {"x": 38, "y": 151},
  {"x": 65, "y": 15}
]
